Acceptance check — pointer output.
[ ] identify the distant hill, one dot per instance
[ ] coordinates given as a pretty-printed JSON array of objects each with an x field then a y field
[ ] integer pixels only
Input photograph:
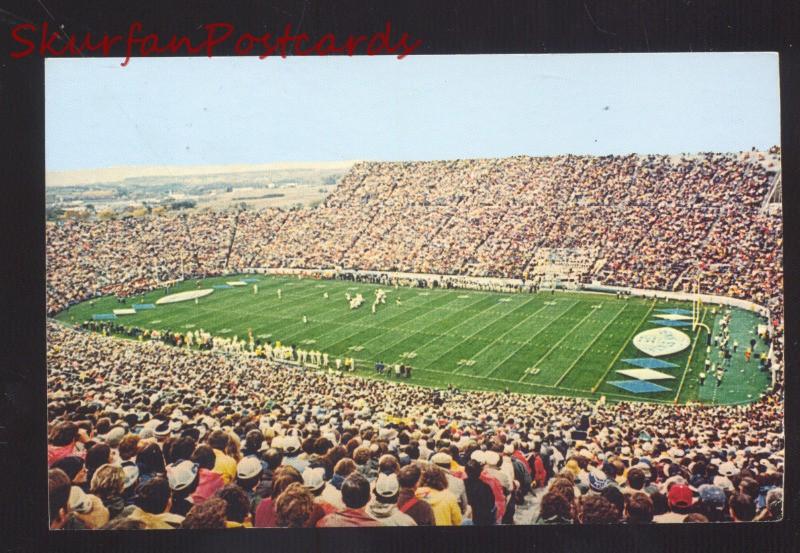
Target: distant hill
[{"x": 196, "y": 174}]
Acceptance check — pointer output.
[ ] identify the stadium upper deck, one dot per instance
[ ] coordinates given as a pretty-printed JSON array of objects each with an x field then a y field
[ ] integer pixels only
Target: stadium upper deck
[{"x": 649, "y": 221}]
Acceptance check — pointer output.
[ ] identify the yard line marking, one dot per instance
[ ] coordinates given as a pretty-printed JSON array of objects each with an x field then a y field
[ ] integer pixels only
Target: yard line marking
[
  {"x": 555, "y": 346},
  {"x": 405, "y": 336},
  {"x": 599, "y": 334},
  {"x": 529, "y": 340},
  {"x": 689, "y": 361},
  {"x": 421, "y": 331},
  {"x": 624, "y": 345},
  {"x": 437, "y": 336},
  {"x": 481, "y": 329},
  {"x": 527, "y": 318},
  {"x": 342, "y": 319}
]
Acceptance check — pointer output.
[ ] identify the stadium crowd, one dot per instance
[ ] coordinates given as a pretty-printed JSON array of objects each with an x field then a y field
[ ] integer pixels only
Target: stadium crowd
[
  {"x": 144, "y": 435},
  {"x": 653, "y": 222}
]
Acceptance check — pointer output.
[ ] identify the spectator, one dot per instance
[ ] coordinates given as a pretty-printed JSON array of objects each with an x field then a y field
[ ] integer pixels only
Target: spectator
[
  {"x": 355, "y": 494},
  {"x": 58, "y": 490},
  {"x": 408, "y": 502},
  {"x": 595, "y": 509},
  {"x": 210, "y": 515},
  {"x": 433, "y": 490},
  {"x": 153, "y": 500},
  {"x": 294, "y": 507},
  {"x": 384, "y": 505},
  {"x": 108, "y": 484},
  {"x": 638, "y": 508}
]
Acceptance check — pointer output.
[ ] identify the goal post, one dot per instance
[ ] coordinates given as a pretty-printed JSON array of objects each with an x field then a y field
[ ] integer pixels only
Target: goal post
[{"x": 697, "y": 307}]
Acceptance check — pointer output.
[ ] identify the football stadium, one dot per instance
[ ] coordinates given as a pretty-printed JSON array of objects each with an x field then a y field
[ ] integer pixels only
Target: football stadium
[{"x": 521, "y": 340}]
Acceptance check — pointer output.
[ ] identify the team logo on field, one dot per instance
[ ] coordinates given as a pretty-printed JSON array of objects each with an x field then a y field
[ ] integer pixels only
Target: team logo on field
[
  {"x": 661, "y": 341},
  {"x": 532, "y": 370},
  {"x": 308, "y": 342},
  {"x": 356, "y": 348},
  {"x": 408, "y": 355},
  {"x": 505, "y": 300},
  {"x": 226, "y": 331},
  {"x": 466, "y": 362},
  {"x": 264, "y": 336}
]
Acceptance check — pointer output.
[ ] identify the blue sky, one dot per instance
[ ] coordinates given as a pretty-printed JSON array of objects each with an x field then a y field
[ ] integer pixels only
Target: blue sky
[{"x": 237, "y": 110}]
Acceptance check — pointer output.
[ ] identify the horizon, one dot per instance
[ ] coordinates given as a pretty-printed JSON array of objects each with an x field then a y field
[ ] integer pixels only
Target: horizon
[{"x": 142, "y": 171}]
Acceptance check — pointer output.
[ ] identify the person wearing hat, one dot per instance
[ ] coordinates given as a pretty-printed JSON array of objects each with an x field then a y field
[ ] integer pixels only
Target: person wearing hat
[
  {"x": 248, "y": 475},
  {"x": 355, "y": 495},
  {"x": 479, "y": 457},
  {"x": 314, "y": 482},
  {"x": 183, "y": 480},
  {"x": 455, "y": 484},
  {"x": 680, "y": 501},
  {"x": 383, "y": 507},
  {"x": 86, "y": 509},
  {"x": 712, "y": 503},
  {"x": 293, "y": 454},
  {"x": 130, "y": 482}
]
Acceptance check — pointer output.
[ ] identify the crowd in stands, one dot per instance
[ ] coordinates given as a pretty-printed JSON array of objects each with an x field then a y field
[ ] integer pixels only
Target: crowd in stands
[
  {"x": 654, "y": 222},
  {"x": 144, "y": 435}
]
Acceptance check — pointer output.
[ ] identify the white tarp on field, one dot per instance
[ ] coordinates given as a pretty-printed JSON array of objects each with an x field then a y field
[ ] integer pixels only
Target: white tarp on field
[
  {"x": 236, "y": 283},
  {"x": 124, "y": 312},
  {"x": 184, "y": 296},
  {"x": 673, "y": 317},
  {"x": 645, "y": 374}
]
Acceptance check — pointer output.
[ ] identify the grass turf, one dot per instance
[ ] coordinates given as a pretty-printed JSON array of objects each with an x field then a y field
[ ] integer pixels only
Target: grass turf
[{"x": 470, "y": 339}]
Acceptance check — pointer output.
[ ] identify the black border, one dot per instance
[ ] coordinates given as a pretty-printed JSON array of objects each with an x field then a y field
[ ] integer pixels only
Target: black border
[{"x": 445, "y": 27}]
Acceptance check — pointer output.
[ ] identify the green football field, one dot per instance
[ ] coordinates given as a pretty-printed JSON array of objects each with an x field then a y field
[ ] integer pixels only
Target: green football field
[{"x": 562, "y": 343}]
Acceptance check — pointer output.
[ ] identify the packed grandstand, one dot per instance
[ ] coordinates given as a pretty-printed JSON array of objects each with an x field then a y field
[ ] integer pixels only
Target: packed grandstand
[{"x": 147, "y": 435}]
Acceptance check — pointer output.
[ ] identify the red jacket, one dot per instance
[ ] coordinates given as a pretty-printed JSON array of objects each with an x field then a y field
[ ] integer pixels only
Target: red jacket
[
  {"x": 56, "y": 452},
  {"x": 520, "y": 457},
  {"x": 497, "y": 491},
  {"x": 540, "y": 474},
  {"x": 209, "y": 483}
]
